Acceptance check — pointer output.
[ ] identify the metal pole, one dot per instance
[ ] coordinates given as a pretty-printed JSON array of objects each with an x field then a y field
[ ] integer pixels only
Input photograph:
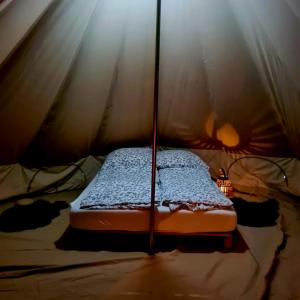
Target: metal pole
[{"x": 154, "y": 133}]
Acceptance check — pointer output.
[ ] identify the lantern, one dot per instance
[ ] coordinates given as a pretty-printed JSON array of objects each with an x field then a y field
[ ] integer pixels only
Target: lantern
[{"x": 224, "y": 184}]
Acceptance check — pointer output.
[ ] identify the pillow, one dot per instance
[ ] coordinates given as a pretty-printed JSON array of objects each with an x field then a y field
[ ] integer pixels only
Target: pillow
[
  {"x": 179, "y": 158},
  {"x": 128, "y": 157}
]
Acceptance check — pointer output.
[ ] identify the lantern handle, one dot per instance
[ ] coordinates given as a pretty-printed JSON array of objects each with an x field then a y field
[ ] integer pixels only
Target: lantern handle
[{"x": 222, "y": 172}]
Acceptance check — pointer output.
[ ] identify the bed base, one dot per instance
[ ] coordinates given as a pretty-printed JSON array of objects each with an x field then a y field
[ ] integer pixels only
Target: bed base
[{"x": 228, "y": 237}]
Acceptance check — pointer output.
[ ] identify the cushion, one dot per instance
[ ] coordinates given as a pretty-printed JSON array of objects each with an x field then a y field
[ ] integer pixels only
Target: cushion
[
  {"x": 179, "y": 158},
  {"x": 128, "y": 157}
]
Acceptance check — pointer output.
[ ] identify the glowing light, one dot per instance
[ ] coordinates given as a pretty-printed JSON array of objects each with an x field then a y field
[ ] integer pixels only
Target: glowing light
[{"x": 228, "y": 135}]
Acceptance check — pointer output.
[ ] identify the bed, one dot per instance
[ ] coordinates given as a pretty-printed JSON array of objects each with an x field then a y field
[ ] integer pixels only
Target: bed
[{"x": 187, "y": 201}]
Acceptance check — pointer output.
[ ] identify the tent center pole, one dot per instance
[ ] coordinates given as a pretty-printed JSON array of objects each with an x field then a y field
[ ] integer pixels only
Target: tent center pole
[{"x": 154, "y": 128}]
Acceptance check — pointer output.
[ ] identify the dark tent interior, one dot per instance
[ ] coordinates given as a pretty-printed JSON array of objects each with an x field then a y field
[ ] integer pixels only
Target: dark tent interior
[{"x": 81, "y": 79}]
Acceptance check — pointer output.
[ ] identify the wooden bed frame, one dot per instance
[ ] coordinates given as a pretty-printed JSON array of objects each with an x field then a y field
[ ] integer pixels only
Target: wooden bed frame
[
  {"x": 228, "y": 237},
  {"x": 118, "y": 240}
]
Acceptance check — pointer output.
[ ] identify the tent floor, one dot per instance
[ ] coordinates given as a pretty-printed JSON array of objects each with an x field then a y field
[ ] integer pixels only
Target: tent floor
[{"x": 53, "y": 262}]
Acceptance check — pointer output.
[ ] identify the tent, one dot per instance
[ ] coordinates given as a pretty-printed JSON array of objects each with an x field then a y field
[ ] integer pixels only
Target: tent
[
  {"x": 77, "y": 81},
  {"x": 229, "y": 79}
]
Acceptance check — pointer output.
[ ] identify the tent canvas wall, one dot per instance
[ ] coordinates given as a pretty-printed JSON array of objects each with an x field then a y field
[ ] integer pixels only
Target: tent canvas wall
[{"x": 77, "y": 79}]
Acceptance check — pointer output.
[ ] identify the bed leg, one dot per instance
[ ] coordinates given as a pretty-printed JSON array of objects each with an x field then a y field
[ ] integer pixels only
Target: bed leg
[{"x": 228, "y": 242}]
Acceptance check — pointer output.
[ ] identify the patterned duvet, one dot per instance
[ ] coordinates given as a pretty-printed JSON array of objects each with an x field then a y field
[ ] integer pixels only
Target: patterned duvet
[{"x": 182, "y": 182}]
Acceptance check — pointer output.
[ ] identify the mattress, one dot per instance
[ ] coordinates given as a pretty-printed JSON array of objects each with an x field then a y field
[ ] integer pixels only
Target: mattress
[{"x": 131, "y": 220}]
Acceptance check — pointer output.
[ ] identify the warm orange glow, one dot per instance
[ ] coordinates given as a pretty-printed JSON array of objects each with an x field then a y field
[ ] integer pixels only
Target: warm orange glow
[
  {"x": 228, "y": 135},
  {"x": 225, "y": 186}
]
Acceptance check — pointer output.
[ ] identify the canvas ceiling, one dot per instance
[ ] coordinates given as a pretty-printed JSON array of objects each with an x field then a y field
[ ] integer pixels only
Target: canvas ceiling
[{"x": 76, "y": 77}]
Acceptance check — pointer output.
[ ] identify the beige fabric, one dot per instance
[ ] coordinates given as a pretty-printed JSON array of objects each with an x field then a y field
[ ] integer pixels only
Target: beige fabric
[
  {"x": 108, "y": 97},
  {"x": 31, "y": 80},
  {"x": 16, "y": 21},
  {"x": 273, "y": 40},
  {"x": 35, "y": 268},
  {"x": 248, "y": 175},
  {"x": 16, "y": 180},
  {"x": 214, "y": 92},
  {"x": 80, "y": 79},
  {"x": 284, "y": 284},
  {"x": 254, "y": 174},
  {"x": 4, "y": 4},
  {"x": 77, "y": 77}
]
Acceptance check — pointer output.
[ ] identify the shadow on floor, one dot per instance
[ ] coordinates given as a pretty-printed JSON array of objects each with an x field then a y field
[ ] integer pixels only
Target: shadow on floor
[
  {"x": 85, "y": 240},
  {"x": 254, "y": 214},
  {"x": 37, "y": 214}
]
